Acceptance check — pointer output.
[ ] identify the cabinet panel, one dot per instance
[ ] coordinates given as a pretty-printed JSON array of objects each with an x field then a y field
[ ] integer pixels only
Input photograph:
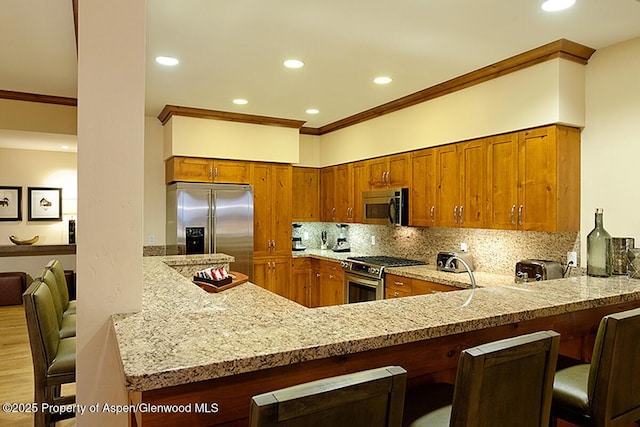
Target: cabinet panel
[
  {"x": 422, "y": 204},
  {"x": 272, "y": 209},
  {"x": 448, "y": 190},
  {"x": 281, "y": 209},
  {"x": 327, "y": 200},
  {"x": 399, "y": 168},
  {"x": 273, "y": 274},
  {"x": 306, "y": 194},
  {"x": 397, "y": 283},
  {"x": 360, "y": 184},
  {"x": 502, "y": 181},
  {"x": 231, "y": 172},
  {"x": 537, "y": 175},
  {"x": 302, "y": 277},
  {"x": 188, "y": 169},
  {"x": 331, "y": 289},
  {"x": 343, "y": 193},
  {"x": 471, "y": 212},
  {"x": 377, "y": 172},
  {"x": 421, "y": 287},
  {"x": 195, "y": 169}
]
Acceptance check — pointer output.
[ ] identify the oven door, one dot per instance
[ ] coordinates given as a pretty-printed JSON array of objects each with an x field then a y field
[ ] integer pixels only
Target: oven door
[{"x": 361, "y": 289}]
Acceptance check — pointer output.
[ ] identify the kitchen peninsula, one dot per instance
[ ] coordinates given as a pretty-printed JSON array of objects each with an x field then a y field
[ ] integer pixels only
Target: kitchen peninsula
[{"x": 189, "y": 347}]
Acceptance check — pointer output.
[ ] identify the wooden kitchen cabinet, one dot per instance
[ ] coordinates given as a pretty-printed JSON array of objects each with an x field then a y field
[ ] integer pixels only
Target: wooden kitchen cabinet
[
  {"x": 360, "y": 184},
  {"x": 306, "y": 194},
  {"x": 304, "y": 287},
  {"x": 273, "y": 274},
  {"x": 400, "y": 286},
  {"x": 390, "y": 171},
  {"x": 422, "y": 204},
  {"x": 272, "y": 194},
  {"x": 461, "y": 188},
  {"x": 534, "y": 180},
  {"x": 422, "y": 287},
  {"x": 196, "y": 169},
  {"x": 343, "y": 192},
  {"x": 327, "y": 195},
  {"x": 397, "y": 286},
  {"x": 331, "y": 284}
]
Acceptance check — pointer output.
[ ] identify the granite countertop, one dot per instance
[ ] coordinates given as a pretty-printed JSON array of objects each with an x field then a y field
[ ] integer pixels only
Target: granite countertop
[{"x": 184, "y": 334}]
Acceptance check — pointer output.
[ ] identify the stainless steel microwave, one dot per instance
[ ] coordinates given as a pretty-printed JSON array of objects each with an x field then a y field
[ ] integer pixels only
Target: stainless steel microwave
[{"x": 386, "y": 206}]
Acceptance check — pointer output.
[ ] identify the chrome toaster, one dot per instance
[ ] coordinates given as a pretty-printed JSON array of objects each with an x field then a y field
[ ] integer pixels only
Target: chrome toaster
[
  {"x": 535, "y": 270},
  {"x": 456, "y": 266}
]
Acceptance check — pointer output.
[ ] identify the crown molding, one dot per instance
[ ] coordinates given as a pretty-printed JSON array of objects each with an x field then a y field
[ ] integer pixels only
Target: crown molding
[
  {"x": 562, "y": 48},
  {"x": 34, "y": 97},
  {"x": 173, "y": 110}
]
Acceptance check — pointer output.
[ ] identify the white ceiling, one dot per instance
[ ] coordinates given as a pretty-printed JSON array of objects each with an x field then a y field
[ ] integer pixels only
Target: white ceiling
[{"x": 235, "y": 49}]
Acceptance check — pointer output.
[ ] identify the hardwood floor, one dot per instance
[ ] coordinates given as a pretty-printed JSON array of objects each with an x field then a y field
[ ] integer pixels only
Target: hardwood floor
[{"x": 16, "y": 369}]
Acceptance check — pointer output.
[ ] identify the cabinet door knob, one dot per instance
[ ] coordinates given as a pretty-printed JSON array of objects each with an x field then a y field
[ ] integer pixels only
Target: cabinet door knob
[
  {"x": 432, "y": 213},
  {"x": 513, "y": 215},
  {"x": 396, "y": 282},
  {"x": 461, "y": 215},
  {"x": 455, "y": 214}
]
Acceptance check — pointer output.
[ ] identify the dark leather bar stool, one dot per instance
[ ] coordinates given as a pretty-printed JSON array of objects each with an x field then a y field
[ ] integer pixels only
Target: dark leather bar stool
[
  {"x": 372, "y": 398},
  {"x": 607, "y": 391},
  {"x": 502, "y": 383}
]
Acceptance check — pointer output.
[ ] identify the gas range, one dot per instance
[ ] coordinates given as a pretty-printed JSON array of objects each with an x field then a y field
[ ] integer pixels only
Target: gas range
[{"x": 373, "y": 266}]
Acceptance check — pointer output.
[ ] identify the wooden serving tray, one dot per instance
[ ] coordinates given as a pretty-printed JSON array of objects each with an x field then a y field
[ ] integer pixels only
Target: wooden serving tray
[{"x": 211, "y": 287}]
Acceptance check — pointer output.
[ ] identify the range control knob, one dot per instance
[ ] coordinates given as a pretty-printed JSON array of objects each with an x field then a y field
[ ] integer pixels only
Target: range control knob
[
  {"x": 538, "y": 277},
  {"x": 373, "y": 270},
  {"x": 344, "y": 264}
]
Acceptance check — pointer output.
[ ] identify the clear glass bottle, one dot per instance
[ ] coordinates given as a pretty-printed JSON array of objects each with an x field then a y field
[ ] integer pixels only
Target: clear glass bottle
[{"x": 599, "y": 249}]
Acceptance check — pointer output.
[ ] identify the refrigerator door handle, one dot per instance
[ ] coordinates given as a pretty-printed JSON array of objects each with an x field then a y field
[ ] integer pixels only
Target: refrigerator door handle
[{"x": 212, "y": 222}]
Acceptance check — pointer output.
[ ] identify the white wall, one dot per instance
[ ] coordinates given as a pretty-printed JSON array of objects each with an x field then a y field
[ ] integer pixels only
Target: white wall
[
  {"x": 35, "y": 168},
  {"x": 527, "y": 98},
  {"x": 111, "y": 88},
  {"x": 195, "y": 137},
  {"x": 610, "y": 141}
]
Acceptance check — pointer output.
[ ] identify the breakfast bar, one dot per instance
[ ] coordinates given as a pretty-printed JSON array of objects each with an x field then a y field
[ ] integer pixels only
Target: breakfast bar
[{"x": 213, "y": 351}]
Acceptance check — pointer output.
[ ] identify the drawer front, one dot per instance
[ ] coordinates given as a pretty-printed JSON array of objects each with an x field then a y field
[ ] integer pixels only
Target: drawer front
[
  {"x": 421, "y": 287},
  {"x": 392, "y": 293},
  {"x": 398, "y": 283}
]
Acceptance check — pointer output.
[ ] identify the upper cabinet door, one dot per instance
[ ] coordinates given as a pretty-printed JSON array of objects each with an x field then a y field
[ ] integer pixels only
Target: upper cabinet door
[
  {"x": 399, "y": 170},
  {"x": 188, "y": 169},
  {"x": 231, "y": 171},
  {"x": 502, "y": 181},
  {"x": 360, "y": 184},
  {"x": 343, "y": 188},
  {"x": 422, "y": 203},
  {"x": 306, "y": 194},
  {"x": 327, "y": 195},
  {"x": 473, "y": 175},
  {"x": 537, "y": 177},
  {"x": 378, "y": 169},
  {"x": 448, "y": 190}
]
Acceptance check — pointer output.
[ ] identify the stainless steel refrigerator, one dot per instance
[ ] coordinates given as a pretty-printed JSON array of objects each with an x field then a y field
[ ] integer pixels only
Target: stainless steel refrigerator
[{"x": 211, "y": 218}]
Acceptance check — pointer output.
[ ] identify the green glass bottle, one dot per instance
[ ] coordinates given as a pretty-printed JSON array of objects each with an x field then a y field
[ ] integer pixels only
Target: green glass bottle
[{"x": 599, "y": 249}]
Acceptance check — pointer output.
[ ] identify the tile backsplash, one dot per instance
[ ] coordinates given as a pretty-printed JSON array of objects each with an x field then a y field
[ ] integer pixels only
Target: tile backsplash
[{"x": 494, "y": 251}]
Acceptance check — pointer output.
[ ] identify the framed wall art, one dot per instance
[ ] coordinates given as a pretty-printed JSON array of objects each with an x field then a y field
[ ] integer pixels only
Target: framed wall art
[
  {"x": 10, "y": 203},
  {"x": 45, "y": 204}
]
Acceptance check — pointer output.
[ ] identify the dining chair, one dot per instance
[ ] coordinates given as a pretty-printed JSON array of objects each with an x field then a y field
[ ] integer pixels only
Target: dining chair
[
  {"x": 502, "y": 383},
  {"x": 372, "y": 398},
  {"x": 606, "y": 392}
]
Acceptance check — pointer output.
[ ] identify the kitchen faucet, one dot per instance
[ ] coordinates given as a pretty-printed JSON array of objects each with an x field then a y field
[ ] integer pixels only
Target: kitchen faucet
[{"x": 466, "y": 266}]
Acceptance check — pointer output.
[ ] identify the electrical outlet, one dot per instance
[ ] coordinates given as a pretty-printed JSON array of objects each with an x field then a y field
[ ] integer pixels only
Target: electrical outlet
[
  {"x": 572, "y": 258},
  {"x": 152, "y": 239},
  {"x": 373, "y": 240},
  {"x": 463, "y": 247},
  {"x": 305, "y": 235}
]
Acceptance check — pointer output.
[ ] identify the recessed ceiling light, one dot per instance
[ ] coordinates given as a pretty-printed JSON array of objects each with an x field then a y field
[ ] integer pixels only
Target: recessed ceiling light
[
  {"x": 240, "y": 101},
  {"x": 64, "y": 147},
  {"x": 293, "y": 63},
  {"x": 382, "y": 80},
  {"x": 167, "y": 60},
  {"x": 557, "y": 5},
  {"x": 312, "y": 111}
]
